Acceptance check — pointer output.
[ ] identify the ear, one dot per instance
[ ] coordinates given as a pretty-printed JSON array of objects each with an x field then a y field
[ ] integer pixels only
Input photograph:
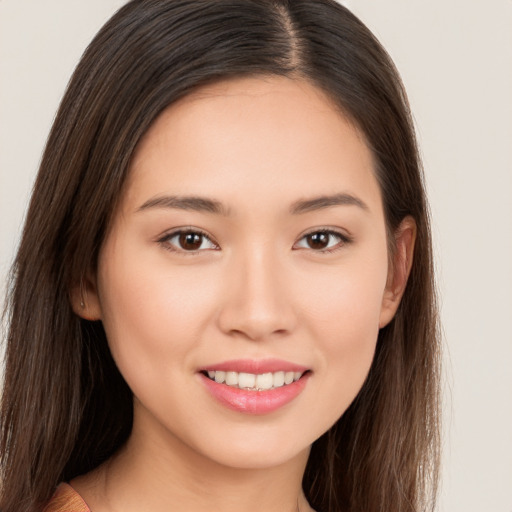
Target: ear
[
  {"x": 85, "y": 300},
  {"x": 399, "y": 269}
]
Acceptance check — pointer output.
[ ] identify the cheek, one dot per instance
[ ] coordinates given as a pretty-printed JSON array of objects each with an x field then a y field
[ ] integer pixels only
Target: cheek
[
  {"x": 152, "y": 316},
  {"x": 344, "y": 320},
  {"x": 347, "y": 328},
  {"x": 346, "y": 301}
]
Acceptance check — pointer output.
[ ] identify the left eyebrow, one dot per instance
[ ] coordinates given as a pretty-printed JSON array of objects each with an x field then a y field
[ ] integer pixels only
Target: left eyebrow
[{"x": 318, "y": 203}]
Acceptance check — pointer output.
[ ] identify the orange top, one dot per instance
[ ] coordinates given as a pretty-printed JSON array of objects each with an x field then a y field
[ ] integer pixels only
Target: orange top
[{"x": 66, "y": 499}]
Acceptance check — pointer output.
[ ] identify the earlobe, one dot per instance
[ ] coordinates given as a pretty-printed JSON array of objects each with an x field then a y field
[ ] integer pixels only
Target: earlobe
[
  {"x": 84, "y": 299},
  {"x": 400, "y": 268}
]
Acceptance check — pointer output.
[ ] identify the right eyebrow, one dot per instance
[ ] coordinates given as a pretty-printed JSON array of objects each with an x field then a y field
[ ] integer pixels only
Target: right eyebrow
[{"x": 194, "y": 203}]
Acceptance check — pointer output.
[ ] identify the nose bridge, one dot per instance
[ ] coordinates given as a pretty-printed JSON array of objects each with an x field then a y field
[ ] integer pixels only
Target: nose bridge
[{"x": 257, "y": 301}]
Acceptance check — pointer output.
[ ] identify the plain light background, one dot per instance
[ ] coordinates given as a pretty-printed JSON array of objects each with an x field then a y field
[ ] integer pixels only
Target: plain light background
[{"x": 455, "y": 58}]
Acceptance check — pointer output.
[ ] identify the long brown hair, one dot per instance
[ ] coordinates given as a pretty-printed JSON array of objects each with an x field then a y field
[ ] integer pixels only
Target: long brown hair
[{"x": 65, "y": 407}]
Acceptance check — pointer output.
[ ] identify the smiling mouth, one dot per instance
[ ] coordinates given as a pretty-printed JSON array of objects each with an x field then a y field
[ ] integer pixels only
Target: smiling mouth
[{"x": 252, "y": 381}]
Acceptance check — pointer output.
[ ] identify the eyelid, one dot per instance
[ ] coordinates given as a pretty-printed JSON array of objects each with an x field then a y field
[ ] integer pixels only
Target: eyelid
[
  {"x": 336, "y": 232},
  {"x": 164, "y": 240},
  {"x": 343, "y": 236}
]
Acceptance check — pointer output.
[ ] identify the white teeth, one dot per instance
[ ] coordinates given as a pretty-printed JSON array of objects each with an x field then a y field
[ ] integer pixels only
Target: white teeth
[
  {"x": 251, "y": 381},
  {"x": 232, "y": 378},
  {"x": 246, "y": 380},
  {"x": 264, "y": 381},
  {"x": 278, "y": 380},
  {"x": 220, "y": 377}
]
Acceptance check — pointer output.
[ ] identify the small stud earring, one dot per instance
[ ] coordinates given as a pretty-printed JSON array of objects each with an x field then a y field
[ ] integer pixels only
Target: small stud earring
[{"x": 82, "y": 293}]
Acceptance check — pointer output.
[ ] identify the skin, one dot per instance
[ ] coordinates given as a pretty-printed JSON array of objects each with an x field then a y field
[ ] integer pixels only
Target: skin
[{"x": 256, "y": 288}]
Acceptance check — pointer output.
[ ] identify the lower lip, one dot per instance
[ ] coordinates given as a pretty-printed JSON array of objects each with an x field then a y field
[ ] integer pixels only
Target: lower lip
[{"x": 255, "y": 402}]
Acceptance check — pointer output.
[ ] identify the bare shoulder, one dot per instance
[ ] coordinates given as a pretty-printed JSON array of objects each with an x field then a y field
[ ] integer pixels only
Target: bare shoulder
[{"x": 66, "y": 499}]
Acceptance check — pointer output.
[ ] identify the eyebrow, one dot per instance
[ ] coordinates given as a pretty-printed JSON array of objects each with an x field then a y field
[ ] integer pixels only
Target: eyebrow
[
  {"x": 204, "y": 204},
  {"x": 194, "y": 203},
  {"x": 318, "y": 203}
]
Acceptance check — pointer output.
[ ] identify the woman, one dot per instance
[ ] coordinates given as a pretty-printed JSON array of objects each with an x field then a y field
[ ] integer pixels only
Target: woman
[{"x": 223, "y": 295}]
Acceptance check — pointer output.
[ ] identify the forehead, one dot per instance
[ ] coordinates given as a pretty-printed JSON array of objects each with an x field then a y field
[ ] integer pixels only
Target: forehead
[{"x": 252, "y": 136}]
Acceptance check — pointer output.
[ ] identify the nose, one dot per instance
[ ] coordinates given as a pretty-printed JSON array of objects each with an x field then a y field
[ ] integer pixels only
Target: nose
[{"x": 258, "y": 303}]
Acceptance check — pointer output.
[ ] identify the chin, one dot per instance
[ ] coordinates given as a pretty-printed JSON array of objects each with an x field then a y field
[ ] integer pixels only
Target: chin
[{"x": 263, "y": 448}]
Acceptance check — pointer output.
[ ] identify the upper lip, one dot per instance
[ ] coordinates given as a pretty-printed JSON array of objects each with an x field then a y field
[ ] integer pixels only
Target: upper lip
[{"x": 255, "y": 366}]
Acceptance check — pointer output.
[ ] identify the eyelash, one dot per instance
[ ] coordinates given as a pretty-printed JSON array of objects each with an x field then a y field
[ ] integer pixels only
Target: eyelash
[
  {"x": 165, "y": 240},
  {"x": 342, "y": 237}
]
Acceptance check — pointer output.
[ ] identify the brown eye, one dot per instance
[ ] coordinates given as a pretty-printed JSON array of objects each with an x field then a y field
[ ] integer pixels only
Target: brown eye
[
  {"x": 322, "y": 241},
  {"x": 190, "y": 241},
  {"x": 318, "y": 240},
  {"x": 187, "y": 241}
]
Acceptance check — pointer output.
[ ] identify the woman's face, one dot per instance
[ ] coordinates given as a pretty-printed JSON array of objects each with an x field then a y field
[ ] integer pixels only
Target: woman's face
[{"x": 248, "y": 252}]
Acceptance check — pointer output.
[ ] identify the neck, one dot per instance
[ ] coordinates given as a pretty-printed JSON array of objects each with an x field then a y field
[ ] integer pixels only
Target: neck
[{"x": 161, "y": 473}]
